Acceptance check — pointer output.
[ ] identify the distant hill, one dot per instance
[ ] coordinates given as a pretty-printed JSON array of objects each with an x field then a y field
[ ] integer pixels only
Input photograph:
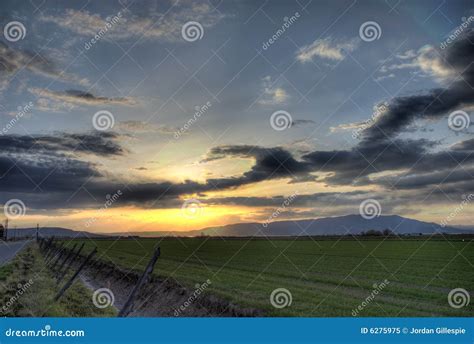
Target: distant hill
[
  {"x": 471, "y": 228},
  {"x": 341, "y": 225},
  {"x": 48, "y": 232}
]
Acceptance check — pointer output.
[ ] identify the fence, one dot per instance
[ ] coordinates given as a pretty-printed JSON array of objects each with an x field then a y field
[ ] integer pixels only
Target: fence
[{"x": 63, "y": 260}]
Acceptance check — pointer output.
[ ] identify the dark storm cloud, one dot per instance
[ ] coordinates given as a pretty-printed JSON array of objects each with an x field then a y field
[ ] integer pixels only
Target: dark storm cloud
[
  {"x": 467, "y": 145},
  {"x": 301, "y": 122},
  {"x": 44, "y": 169},
  {"x": 297, "y": 199},
  {"x": 270, "y": 163},
  {"x": 403, "y": 111},
  {"x": 48, "y": 168},
  {"x": 45, "y": 174},
  {"x": 81, "y": 97},
  {"x": 349, "y": 166},
  {"x": 98, "y": 143},
  {"x": 438, "y": 169},
  {"x": 354, "y": 166},
  {"x": 417, "y": 180}
]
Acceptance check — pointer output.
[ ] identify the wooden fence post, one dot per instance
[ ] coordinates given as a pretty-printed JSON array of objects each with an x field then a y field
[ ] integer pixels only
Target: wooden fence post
[
  {"x": 71, "y": 261},
  {"x": 71, "y": 280},
  {"x": 56, "y": 253},
  {"x": 128, "y": 306},
  {"x": 48, "y": 246},
  {"x": 51, "y": 248},
  {"x": 61, "y": 253},
  {"x": 70, "y": 253}
]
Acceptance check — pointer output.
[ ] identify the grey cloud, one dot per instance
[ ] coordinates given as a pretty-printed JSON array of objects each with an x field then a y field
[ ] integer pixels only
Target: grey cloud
[
  {"x": 155, "y": 25},
  {"x": 403, "y": 111},
  {"x": 81, "y": 97},
  {"x": 98, "y": 143},
  {"x": 12, "y": 60}
]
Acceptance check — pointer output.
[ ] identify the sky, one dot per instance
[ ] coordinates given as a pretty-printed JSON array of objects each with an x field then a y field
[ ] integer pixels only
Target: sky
[{"x": 120, "y": 116}]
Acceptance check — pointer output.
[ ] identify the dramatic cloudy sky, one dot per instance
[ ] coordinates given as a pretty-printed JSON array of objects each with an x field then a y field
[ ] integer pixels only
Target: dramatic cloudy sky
[{"x": 357, "y": 114}]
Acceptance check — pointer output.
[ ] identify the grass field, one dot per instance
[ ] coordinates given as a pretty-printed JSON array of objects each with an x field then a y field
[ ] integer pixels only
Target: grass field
[{"x": 324, "y": 277}]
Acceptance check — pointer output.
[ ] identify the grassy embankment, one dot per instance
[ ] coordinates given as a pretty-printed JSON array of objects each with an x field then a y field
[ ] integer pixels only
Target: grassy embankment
[{"x": 28, "y": 288}]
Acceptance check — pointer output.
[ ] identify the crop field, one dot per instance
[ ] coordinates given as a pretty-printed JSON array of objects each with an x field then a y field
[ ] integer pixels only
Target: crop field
[{"x": 324, "y": 277}]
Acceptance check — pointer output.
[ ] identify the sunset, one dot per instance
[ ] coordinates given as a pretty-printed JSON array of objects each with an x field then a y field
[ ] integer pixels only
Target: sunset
[
  {"x": 238, "y": 159},
  {"x": 166, "y": 118}
]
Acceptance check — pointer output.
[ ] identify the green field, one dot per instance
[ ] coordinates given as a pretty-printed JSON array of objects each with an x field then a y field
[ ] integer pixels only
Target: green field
[{"x": 325, "y": 277}]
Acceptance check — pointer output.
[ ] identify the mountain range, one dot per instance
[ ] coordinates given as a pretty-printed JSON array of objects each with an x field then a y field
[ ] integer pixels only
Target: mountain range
[
  {"x": 340, "y": 225},
  {"x": 15, "y": 233}
]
